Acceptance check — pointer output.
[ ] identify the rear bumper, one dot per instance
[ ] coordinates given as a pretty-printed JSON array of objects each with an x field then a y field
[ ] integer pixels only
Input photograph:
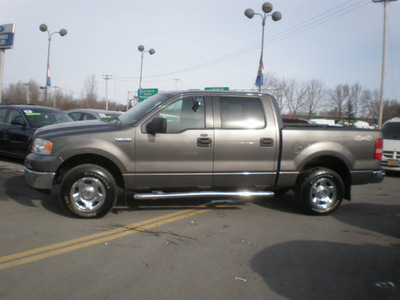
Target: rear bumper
[{"x": 377, "y": 176}]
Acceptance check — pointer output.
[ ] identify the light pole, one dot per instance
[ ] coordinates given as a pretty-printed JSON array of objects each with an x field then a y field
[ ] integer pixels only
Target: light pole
[
  {"x": 62, "y": 32},
  {"x": 107, "y": 77},
  {"x": 383, "y": 60},
  {"x": 141, "y": 49},
  {"x": 276, "y": 16}
]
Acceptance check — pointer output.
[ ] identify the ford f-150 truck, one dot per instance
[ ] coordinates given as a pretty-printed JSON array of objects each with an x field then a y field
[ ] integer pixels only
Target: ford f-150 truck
[{"x": 200, "y": 144}]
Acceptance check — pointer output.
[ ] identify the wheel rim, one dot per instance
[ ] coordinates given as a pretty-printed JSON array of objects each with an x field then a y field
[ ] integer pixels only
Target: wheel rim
[
  {"x": 88, "y": 194},
  {"x": 323, "y": 194}
]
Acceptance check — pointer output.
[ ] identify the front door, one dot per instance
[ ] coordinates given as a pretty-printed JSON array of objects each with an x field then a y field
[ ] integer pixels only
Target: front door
[{"x": 181, "y": 158}]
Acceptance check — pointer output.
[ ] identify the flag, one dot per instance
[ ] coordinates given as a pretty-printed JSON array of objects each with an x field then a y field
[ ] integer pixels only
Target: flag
[
  {"x": 48, "y": 83},
  {"x": 260, "y": 76}
]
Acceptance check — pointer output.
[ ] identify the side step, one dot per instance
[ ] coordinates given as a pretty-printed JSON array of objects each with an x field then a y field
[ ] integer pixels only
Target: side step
[{"x": 163, "y": 195}]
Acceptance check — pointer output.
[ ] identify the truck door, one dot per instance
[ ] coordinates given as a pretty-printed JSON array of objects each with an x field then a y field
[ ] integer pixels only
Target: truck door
[
  {"x": 181, "y": 158},
  {"x": 245, "y": 143}
]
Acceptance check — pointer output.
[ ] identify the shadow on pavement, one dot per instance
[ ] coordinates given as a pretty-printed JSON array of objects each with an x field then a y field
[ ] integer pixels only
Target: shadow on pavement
[{"x": 327, "y": 270}]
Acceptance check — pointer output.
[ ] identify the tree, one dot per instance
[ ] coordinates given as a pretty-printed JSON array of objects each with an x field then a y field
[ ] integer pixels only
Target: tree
[
  {"x": 275, "y": 86},
  {"x": 90, "y": 91},
  {"x": 315, "y": 92},
  {"x": 339, "y": 97},
  {"x": 294, "y": 93}
]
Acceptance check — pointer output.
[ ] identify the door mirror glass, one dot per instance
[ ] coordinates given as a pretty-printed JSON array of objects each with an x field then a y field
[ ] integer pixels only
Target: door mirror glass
[{"x": 157, "y": 125}]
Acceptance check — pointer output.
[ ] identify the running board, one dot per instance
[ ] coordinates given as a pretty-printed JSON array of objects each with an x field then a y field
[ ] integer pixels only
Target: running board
[{"x": 163, "y": 195}]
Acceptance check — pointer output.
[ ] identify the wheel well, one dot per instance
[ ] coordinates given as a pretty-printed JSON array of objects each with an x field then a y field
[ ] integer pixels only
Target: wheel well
[
  {"x": 336, "y": 165},
  {"x": 90, "y": 159}
]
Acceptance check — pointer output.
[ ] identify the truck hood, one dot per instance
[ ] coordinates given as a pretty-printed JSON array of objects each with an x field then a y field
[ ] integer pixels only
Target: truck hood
[{"x": 78, "y": 127}]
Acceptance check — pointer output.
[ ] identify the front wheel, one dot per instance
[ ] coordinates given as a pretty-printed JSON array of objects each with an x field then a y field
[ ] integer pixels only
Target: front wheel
[
  {"x": 320, "y": 191},
  {"x": 88, "y": 191}
]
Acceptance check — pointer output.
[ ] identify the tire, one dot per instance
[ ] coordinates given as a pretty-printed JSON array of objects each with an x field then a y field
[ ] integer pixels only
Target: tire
[
  {"x": 320, "y": 191},
  {"x": 88, "y": 191}
]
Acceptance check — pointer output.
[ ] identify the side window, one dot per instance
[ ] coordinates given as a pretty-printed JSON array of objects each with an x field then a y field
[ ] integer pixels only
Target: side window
[
  {"x": 15, "y": 115},
  {"x": 75, "y": 115},
  {"x": 241, "y": 113},
  {"x": 3, "y": 113},
  {"x": 186, "y": 113},
  {"x": 88, "y": 117}
]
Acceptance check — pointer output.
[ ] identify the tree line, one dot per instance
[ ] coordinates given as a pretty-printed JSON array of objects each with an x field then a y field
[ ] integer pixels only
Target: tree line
[
  {"x": 303, "y": 99},
  {"x": 313, "y": 99},
  {"x": 32, "y": 93}
]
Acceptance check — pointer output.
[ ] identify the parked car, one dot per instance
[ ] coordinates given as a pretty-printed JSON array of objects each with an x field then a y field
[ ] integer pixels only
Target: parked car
[
  {"x": 391, "y": 145},
  {"x": 93, "y": 114},
  {"x": 19, "y": 122}
]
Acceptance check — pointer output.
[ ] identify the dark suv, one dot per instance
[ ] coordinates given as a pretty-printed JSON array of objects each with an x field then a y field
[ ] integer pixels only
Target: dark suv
[{"x": 18, "y": 122}]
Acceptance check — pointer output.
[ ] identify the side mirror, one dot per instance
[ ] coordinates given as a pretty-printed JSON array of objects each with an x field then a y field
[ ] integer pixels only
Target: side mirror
[
  {"x": 157, "y": 125},
  {"x": 18, "y": 122}
]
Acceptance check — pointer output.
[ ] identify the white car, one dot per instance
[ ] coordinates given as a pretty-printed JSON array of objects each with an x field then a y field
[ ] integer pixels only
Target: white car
[{"x": 391, "y": 145}]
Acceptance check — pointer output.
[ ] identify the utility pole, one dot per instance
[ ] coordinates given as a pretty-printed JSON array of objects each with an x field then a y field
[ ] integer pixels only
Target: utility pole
[
  {"x": 383, "y": 60},
  {"x": 106, "y": 77}
]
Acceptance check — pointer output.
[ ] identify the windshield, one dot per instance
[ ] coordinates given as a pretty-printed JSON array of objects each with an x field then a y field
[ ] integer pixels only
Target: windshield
[
  {"x": 391, "y": 131},
  {"x": 39, "y": 118},
  {"x": 138, "y": 112}
]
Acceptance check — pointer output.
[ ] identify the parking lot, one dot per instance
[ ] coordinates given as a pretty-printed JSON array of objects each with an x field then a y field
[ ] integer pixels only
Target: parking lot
[{"x": 262, "y": 249}]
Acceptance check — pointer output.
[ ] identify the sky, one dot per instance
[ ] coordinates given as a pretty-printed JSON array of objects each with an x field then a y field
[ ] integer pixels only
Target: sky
[{"x": 200, "y": 43}]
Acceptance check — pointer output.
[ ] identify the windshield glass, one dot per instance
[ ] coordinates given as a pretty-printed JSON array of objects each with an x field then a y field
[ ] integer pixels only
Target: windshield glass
[
  {"x": 138, "y": 112},
  {"x": 391, "y": 131},
  {"x": 38, "y": 118}
]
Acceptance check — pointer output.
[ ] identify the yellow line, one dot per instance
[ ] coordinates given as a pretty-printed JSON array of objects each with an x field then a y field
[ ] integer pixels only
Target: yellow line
[{"x": 94, "y": 239}]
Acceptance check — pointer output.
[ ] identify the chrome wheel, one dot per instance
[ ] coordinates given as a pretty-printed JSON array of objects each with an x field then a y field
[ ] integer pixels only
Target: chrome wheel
[
  {"x": 88, "y": 194},
  {"x": 323, "y": 194}
]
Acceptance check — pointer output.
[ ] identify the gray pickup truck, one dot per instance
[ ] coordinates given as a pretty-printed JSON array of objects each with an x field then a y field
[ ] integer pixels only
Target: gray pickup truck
[{"x": 200, "y": 144}]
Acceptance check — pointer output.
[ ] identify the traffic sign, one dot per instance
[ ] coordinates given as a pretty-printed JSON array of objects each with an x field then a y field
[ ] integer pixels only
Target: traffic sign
[
  {"x": 146, "y": 93},
  {"x": 7, "y": 36}
]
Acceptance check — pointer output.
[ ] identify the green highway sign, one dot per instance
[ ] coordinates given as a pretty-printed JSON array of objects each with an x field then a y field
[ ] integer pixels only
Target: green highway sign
[
  {"x": 216, "y": 88},
  {"x": 146, "y": 93}
]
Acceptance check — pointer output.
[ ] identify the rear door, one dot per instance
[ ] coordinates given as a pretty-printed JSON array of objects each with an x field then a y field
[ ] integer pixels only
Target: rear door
[
  {"x": 245, "y": 143},
  {"x": 181, "y": 158}
]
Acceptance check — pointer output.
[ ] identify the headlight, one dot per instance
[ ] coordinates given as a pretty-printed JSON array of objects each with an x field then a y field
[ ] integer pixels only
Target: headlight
[{"x": 42, "y": 146}]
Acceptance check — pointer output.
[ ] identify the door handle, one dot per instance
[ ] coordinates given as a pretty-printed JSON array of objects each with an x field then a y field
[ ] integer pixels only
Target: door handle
[
  {"x": 204, "y": 142},
  {"x": 266, "y": 142}
]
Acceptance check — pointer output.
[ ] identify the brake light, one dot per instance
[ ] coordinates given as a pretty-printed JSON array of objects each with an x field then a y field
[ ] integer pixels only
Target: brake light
[{"x": 378, "y": 149}]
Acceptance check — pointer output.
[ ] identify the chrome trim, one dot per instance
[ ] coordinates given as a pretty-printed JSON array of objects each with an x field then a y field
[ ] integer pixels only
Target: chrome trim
[
  {"x": 162, "y": 195},
  {"x": 377, "y": 176},
  {"x": 39, "y": 180}
]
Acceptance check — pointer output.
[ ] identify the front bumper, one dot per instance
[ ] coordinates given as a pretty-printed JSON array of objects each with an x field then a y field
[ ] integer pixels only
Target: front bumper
[{"x": 39, "y": 180}]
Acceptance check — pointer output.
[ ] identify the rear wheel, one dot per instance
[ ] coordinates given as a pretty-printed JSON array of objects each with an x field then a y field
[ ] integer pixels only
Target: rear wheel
[
  {"x": 88, "y": 191},
  {"x": 320, "y": 191}
]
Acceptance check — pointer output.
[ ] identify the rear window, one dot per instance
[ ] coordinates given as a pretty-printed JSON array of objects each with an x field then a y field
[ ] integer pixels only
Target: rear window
[{"x": 391, "y": 131}]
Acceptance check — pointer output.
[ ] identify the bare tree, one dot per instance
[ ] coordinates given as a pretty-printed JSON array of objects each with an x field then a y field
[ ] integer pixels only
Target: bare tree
[
  {"x": 295, "y": 94},
  {"x": 371, "y": 104},
  {"x": 90, "y": 85},
  {"x": 339, "y": 97},
  {"x": 314, "y": 97},
  {"x": 275, "y": 86},
  {"x": 356, "y": 98}
]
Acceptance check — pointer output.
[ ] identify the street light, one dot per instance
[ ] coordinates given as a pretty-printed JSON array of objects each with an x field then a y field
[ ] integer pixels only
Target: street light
[
  {"x": 62, "y": 32},
  {"x": 276, "y": 16},
  {"x": 141, "y": 49}
]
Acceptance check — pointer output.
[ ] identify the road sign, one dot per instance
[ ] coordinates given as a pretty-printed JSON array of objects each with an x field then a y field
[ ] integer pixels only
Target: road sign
[
  {"x": 7, "y": 36},
  {"x": 146, "y": 93},
  {"x": 216, "y": 88}
]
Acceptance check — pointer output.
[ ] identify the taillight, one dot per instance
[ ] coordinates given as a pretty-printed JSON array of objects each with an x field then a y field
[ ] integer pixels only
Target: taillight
[{"x": 378, "y": 149}]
